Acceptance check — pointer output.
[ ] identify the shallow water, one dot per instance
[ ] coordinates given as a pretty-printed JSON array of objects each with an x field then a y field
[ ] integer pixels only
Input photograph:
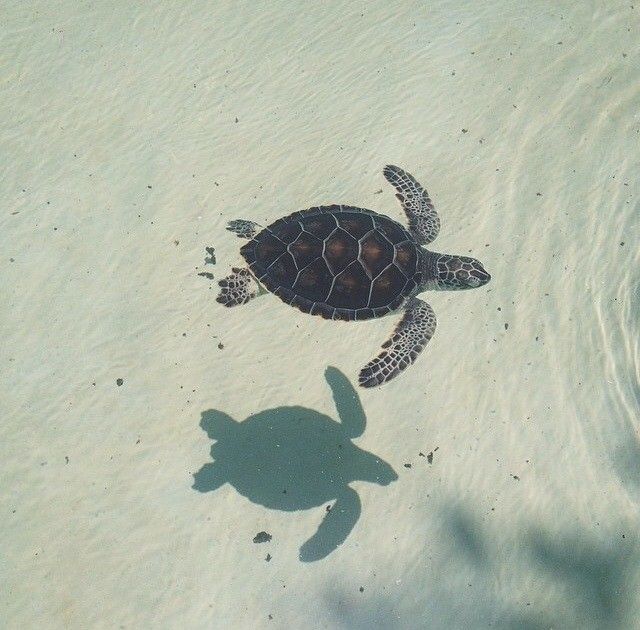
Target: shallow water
[{"x": 498, "y": 478}]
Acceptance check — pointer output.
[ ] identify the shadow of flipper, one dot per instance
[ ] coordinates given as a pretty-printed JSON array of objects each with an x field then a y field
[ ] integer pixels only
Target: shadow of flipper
[
  {"x": 216, "y": 424},
  {"x": 209, "y": 478},
  {"x": 334, "y": 528},
  {"x": 347, "y": 402}
]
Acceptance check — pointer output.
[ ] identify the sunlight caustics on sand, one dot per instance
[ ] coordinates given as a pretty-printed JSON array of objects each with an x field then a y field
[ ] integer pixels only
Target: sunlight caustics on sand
[{"x": 147, "y": 429}]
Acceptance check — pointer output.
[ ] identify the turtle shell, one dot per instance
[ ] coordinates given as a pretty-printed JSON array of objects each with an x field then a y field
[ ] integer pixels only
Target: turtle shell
[{"x": 339, "y": 262}]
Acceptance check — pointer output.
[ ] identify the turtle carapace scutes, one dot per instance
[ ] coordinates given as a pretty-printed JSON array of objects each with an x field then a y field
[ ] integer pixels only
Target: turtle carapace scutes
[{"x": 351, "y": 264}]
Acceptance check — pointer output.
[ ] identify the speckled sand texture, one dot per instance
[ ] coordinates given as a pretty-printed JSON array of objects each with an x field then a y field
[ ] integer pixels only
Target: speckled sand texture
[{"x": 131, "y": 133}]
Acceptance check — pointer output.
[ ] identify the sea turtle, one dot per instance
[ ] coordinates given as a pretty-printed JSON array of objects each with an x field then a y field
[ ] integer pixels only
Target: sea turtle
[
  {"x": 347, "y": 263},
  {"x": 294, "y": 458}
]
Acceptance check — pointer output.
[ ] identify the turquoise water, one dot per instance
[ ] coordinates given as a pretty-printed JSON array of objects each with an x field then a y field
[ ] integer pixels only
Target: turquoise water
[{"x": 494, "y": 484}]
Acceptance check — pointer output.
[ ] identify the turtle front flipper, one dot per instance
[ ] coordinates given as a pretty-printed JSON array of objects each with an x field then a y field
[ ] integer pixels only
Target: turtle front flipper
[
  {"x": 237, "y": 288},
  {"x": 243, "y": 228},
  {"x": 424, "y": 222},
  {"x": 409, "y": 338},
  {"x": 335, "y": 527}
]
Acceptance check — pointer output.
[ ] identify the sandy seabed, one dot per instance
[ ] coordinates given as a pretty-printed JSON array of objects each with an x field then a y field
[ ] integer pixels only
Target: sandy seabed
[{"x": 495, "y": 484}]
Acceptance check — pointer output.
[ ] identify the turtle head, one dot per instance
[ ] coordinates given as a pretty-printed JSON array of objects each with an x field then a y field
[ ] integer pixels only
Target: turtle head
[{"x": 460, "y": 272}]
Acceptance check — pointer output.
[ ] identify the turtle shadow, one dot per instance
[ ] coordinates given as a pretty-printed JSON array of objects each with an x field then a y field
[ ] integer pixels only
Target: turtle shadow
[{"x": 294, "y": 458}]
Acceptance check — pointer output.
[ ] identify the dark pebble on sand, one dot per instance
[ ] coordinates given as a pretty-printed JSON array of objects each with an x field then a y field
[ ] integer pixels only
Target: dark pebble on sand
[
  {"x": 119, "y": 381},
  {"x": 206, "y": 274},
  {"x": 407, "y": 465},
  {"x": 506, "y": 326},
  {"x": 220, "y": 346},
  {"x": 262, "y": 537},
  {"x": 268, "y": 558},
  {"x": 362, "y": 589}
]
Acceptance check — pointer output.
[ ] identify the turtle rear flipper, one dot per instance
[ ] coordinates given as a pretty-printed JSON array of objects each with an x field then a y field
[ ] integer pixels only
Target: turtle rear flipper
[
  {"x": 424, "y": 221},
  {"x": 335, "y": 527},
  {"x": 409, "y": 338},
  {"x": 237, "y": 288},
  {"x": 243, "y": 228}
]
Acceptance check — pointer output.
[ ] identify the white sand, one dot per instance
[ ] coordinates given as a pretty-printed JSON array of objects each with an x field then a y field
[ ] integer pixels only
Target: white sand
[{"x": 122, "y": 160}]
